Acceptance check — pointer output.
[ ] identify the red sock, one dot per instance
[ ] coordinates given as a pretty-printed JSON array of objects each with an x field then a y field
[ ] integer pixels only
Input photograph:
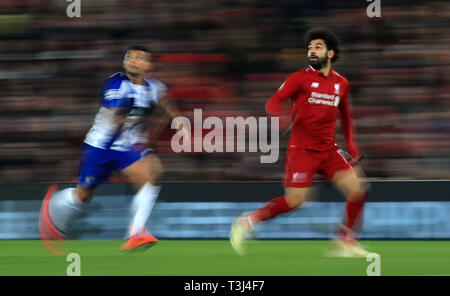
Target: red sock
[
  {"x": 271, "y": 209},
  {"x": 354, "y": 214}
]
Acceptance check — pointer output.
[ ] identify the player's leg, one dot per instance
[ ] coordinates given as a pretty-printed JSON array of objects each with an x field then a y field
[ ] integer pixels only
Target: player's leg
[
  {"x": 300, "y": 168},
  {"x": 68, "y": 204},
  {"x": 145, "y": 174},
  {"x": 243, "y": 225},
  {"x": 347, "y": 181},
  {"x": 350, "y": 186},
  {"x": 292, "y": 198},
  {"x": 61, "y": 207}
]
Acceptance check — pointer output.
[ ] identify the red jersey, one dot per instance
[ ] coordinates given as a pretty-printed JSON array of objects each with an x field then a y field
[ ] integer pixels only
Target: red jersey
[{"x": 316, "y": 99}]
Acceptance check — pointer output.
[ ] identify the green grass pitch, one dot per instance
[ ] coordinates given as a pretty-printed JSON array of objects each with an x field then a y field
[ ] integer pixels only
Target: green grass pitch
[{"x": 216, "y": 258}]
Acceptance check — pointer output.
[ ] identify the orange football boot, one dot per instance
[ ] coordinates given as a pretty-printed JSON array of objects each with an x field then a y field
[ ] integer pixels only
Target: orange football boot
[{"x": 140, "y": 241}]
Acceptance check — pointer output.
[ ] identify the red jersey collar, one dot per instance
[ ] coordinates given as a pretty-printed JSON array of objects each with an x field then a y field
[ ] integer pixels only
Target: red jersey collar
[{"x": 320, "y": 73}]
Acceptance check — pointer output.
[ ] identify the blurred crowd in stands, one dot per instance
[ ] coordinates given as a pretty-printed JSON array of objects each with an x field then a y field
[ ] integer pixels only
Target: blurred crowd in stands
[{"x": 227, "y": 58}]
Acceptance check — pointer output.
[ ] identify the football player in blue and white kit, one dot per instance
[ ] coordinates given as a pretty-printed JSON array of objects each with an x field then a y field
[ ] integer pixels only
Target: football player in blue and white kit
[{"x": 117, "y": 141}]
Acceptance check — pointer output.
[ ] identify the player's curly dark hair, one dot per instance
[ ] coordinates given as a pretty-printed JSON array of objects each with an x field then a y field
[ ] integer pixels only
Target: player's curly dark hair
[
  {"x": 331, "y": 41},
  {"x": 139, "y": 47}
]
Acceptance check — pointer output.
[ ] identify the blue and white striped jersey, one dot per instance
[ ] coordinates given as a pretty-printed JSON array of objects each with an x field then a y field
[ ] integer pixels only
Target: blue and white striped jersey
[{"x": 137, "y": 100}]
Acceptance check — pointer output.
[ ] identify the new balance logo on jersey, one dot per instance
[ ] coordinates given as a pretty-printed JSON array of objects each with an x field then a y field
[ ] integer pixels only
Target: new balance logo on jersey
[{"x": 315, "y": 84}]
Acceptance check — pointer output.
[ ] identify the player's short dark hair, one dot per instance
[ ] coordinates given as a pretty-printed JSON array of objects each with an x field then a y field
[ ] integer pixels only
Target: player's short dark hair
[
  {"x": 139, "y": 47},
  {"x": 331, "y": 41}
]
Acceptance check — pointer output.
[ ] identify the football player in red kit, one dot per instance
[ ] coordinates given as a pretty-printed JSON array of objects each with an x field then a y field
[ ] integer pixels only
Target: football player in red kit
[{"x": 318, "y": 94}]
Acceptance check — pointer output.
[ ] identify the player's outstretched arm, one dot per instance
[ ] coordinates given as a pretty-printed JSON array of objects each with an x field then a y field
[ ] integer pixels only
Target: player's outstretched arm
[{"x": 171, "y": 109}]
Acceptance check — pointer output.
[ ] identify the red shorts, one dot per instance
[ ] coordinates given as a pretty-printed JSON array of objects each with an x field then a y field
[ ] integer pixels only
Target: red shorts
[{"x": 301, "y": 165}]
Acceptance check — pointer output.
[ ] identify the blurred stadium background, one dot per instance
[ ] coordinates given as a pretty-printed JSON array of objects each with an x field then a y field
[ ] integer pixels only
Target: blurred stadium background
[{"x": 226, "y": 57}]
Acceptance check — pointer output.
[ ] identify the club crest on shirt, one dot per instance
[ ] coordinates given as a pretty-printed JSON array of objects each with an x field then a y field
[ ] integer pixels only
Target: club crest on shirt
[
  {"x": 89, "y": 180},
  {"x": 315, "y": 85},
  {"x": 336, "y": 88}
]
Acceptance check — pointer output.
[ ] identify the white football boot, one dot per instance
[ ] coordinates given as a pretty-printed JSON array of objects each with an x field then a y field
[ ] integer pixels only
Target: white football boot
[{"x": 240, "y": 231}]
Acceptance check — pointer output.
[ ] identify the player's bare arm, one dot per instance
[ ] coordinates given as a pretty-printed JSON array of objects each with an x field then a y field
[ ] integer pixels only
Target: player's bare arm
[
  {"x": 172, "y": 110},
  {"x": 119, "y": 115}
]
